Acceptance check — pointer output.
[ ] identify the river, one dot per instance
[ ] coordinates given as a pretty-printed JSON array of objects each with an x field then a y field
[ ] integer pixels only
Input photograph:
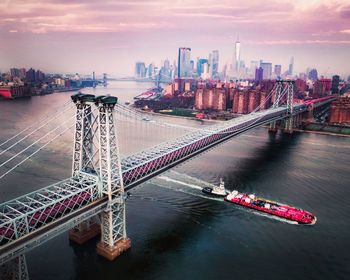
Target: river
[{"x": 177, "y": 233}]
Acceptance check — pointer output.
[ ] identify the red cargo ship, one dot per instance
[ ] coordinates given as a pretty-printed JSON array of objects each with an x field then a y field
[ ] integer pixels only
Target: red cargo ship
[{"x": 271, "y": 207}]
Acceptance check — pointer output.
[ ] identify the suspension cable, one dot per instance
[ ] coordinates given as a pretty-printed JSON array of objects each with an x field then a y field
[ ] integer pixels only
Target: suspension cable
[
  {"x": 48, "y": 133},
  {"x": 34, "y": 124},
  {"x": 35, "y": 130},
  {"x": 41, "y": 147}
]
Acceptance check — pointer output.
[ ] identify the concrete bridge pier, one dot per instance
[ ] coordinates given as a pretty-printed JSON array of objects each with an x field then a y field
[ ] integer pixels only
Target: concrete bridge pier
[{"x": 84, "y": 232}]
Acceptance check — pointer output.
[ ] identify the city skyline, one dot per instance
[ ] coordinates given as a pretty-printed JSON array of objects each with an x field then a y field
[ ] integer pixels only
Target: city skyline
[{"x": 85, "y": 36}]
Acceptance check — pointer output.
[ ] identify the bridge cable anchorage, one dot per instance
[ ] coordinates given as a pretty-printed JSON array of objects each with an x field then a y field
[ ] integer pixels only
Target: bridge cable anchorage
[
  {"x": 35, "y": 130},
  {"x": 37, "y": 150},
  {"x": 37, "y": 123}
]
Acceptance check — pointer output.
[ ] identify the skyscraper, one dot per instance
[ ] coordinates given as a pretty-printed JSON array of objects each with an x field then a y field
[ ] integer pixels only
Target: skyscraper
[
  {"x": 140, "y": 70},
  {"x": 259, "y": 72},
  {"x": 200, "y": 63},
  {"x": 237, "y": 62},
  {"x": 313, "y": 75},
  {"x": 183, "y": 64},
  {"x": 278, "y": 70},
  {"x": 335, "y": 84},
  {"x": 291, "y": 65},
  {"x": 267, "y": 70},
  {"x": 215, "y": 63}
]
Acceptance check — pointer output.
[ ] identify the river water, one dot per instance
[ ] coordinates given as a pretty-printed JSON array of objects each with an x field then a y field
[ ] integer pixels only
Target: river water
[{"x": 177, "y": 233}]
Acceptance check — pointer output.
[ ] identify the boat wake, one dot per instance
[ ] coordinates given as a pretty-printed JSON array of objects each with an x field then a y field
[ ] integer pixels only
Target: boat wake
[{"x": 195, "y": 185}]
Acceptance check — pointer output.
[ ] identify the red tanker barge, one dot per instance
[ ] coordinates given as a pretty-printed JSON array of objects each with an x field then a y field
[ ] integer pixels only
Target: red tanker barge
[{"x": 271, "y": 207}]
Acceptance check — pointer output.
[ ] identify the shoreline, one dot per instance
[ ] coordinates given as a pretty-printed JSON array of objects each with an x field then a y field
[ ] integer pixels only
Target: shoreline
[
  {"x": 218, "y": 121},
  {"x": 174, "y": 116}
]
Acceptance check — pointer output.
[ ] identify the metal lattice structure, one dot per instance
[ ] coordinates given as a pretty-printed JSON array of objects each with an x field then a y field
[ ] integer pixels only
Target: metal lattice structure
[
  {"x": 290, "y": 107},
  {"x": 113, "y": 218},
  {"x": 276, "y": 104}
]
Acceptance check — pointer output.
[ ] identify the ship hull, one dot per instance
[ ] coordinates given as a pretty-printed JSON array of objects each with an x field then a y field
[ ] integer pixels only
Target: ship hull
[
  {"x": 210, "y": 192},
  {"x": 282, "y": 211}
]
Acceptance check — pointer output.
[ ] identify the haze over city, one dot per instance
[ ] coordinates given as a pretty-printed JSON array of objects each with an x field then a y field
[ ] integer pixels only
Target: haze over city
[{"x": 110, "y": 36}]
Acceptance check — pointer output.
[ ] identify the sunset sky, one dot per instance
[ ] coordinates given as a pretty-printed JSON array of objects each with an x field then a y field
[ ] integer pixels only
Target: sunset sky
[{"x": 110, "y": 36}]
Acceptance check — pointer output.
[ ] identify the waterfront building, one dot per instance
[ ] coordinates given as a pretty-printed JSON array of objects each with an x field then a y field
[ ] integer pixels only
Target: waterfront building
[
  {"x": 30, "y": 75},
  {"x": 211, "y": 97},
  {"x": 340, "y": 111}
]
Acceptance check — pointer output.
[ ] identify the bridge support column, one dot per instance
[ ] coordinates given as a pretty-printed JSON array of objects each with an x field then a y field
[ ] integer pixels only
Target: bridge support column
[
  {"x": 15, "y": 269},
  {"x": 84, "y": 232},
  {"x": 84, "y": 159},
  {"x": 279, "y": 85},
  {"x": 113, "y": 234},
  {"x": 113, "y": 231},
  {"x": 289, "y": 122}
]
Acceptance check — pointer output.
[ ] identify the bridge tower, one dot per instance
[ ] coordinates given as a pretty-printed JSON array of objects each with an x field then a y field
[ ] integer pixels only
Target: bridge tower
[
  {"x": 85, "y": 158},
  {"x": 96, "y": 152},
  {"x": 279, "y": 87},
  {"x": 289, "y": 122},
  {"x": 113, "y": 236}
]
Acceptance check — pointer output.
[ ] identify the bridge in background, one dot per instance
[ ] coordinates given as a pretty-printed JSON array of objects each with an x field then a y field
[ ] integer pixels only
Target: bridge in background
[{"x": 92, "y": 200}]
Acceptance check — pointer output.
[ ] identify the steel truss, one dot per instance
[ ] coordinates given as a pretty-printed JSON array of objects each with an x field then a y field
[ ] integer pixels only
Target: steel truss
[
  {"x": 22, "y": 216},
  {"x": 289, "y": 122},
  {"x": 113, "y": 218},
  {"x": 276, "y": 104}
]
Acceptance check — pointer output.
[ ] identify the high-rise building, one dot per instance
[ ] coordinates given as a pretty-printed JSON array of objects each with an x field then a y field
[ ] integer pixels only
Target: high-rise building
[
  {"x": 237, "y": 57},
  {"x": 200, "y": 63},
  {"x": 215, "y": 63},
  {"x": 335, "y": 84},
  {"x": 278, "y": 70},
  {"x": 267, "y": 70},
  {"x": 140, "y": 70},
  {"x": 22, "y": 73},
  {"x": 183, "y": 64},
  {"x": 30, "y": 75},
  {"x": 150, "y": 71},
  {"x": 291, "y": 66},
  {"x": 253, "y": 66},
  {"x": 259, "y": 74},
  {"x": 14, "y": 72},
  {"x": 313, "y": 75}
]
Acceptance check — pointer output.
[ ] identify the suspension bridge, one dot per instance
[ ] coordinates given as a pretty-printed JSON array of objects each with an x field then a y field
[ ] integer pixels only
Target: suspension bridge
[{"x": 92, "y": 200}]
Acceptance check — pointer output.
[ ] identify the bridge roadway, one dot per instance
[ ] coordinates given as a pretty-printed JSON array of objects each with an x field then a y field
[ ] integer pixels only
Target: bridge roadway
[{"x": 32, "y": 219}]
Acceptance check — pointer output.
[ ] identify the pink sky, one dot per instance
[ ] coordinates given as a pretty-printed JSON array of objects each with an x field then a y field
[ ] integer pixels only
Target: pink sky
[{"x": 109, "y": 36}]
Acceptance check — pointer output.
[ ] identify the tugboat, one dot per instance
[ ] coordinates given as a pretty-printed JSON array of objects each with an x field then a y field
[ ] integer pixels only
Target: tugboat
[
  {"x": 218, "y": 191},
  {"x": 271, "y": 207}
]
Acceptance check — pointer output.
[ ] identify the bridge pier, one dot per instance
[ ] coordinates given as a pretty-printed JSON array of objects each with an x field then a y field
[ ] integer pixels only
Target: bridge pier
[
  {"x": 15, "y": 269},
  {"x": 84, "y": 232},
  {"x": 113, "y": 233}
]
